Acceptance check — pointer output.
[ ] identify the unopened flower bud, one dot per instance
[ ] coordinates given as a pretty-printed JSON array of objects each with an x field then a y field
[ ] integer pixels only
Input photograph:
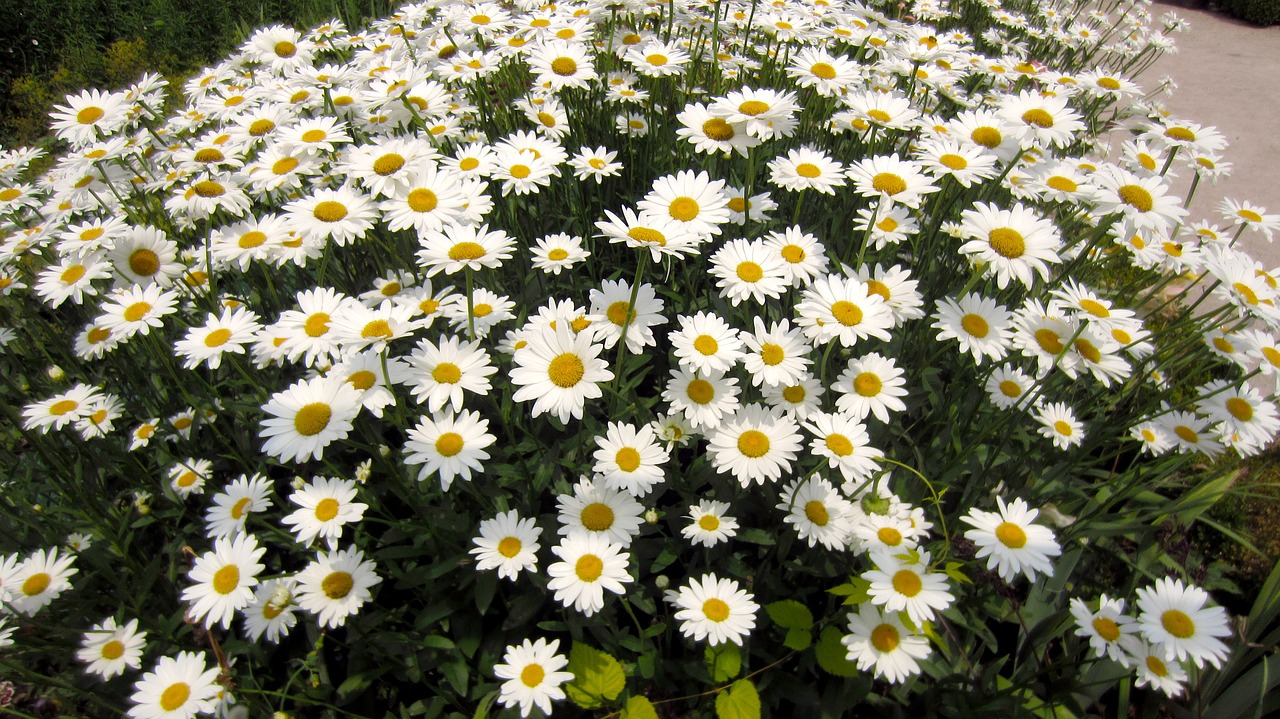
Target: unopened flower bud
[
  {"x": 55, "y": 373},
  {"x": 651, "y": 516},
  {"x": 661, "y": 581}
]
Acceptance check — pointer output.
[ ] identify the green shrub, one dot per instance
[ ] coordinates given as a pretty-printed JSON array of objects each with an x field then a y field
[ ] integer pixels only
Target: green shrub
[{"x": 1258, "y": 12}]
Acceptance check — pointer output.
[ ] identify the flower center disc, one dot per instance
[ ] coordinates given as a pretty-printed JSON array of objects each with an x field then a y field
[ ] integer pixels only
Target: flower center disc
[
  {"x": 627, "y": 459},
  {"x": 772, "y": 354},
  {"x": 564, "y": 66},
  {"x": 36, "y": 584},
  {"x": 717, "y": 129},
  {"x": 955, "y": 162},
  {"x": 888, "y": 183},
  {"x": 251, "y": 239},
  {"x": 885, "y": 638},
  {"x": 566, "y": 370},
  {"x": 90, "y": 115},
  {"x": 808, "y": 169},
  {"x": 715, "y": 609},
  {"x": 597, "y": 517},
  {"x": 647, "y": 235},
  {"x": 700, "y": 391},
  {"x": 449, "y": 444},
  {"x": 446, "y": 373},
  {"x": 846, "y": 313},
  {"x": 839, "y": 445},
  {"x": 589, "y": 567},
  {"x": 1240, "y": 409},
  {"x": 889, "y": 536},
  {"x": 226, "y": 580},
  {"x": 975, "y": 325},
  {"x": 72, "y": 274},
  {"x": 1177, "y": 623},
  {"x": 709, "y": 522},
  {"x": 684, "y": 209},
  {"x": 907, "y": 583},
  {"x": 750, "y": 272},
  {"x": 112, "y": 650},
  {"x": 753, "y": 443},
  {"x": 337, "y": 585},
  {"x": 988, "y": 137},
  {"x": 136, "y": 311},
  {"x": 816, "y": 512},
  {"x": 326, "y": 509},
  {"x": 217, "y": 338},
  {"x": 1011, "y": 535},
  {"x": 1106, "y": 628},
  {"x": 1007, "y": 243},
  {"x": 1137, "y": 197},
  {"x": 388, "y": 164},
  {"x": 867, "y": 384},
  {"x": 330, "y": 211},
  {"x": 144, "y": 262},
  {"x": 706, "y": 344},
  {"x": 1038, "y": 117},
  {"x": 509, "y": 547},
  {"x": 823, "y": 70},
  {"x": 317, "y": 325},
  {"x": 753, "y": 108},
  {"x": 174, "y": 696},
  {"x": 312, "y": 419},
  {"x": 532, "y": 675},
  {"x": 1011, "y": 389},
  {"x": 466, "y": 251}
]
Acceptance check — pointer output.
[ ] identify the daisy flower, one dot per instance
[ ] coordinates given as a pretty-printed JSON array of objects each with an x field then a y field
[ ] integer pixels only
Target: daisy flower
[
  {"x": 1189, "y": 432},
  {"x": 459, "y": 247},
  {"x": 872, "y": 384},
  {"x": 1249, "y": 215},
  {"x": 272, "y": 611},
  {"x": 589, "y": 564},
  {"x": 108, "y": 649},
  {"x": 1058, "y": 423},
  {"x": 224, "y": 579},
  {"x": 843, "y": 441},
  {"x": 705, "y": 399},
  {"x": 178, "y": 688},
  {"x": 508, "y": 544},
  {"x": 612, "y": 310},
  {"x": 712, "y": 134},
  {"x": 844, "y": 309},
  {"x": 136, "y": 310},
  {"x": 756, "y": 444},
  {"x": 804, "y": 256},
  {"x": 818, "y": 512},
  {"x": 798, "y": 400},
  {"x": 1155, "y": 669},
  {"x": 559, "y": 64},
  {"x": 559, "y": 371},
  {"x": 358, "y": 328},
  {"x": 442, "y": 373},
  {"x": 1007, "y": 385},
  {"x": 879, "y": 641},
  {"x": 1241, "y": 410},
  {"x": 657, "y": 59},
  {"x": 904, "y": 582},
  {"x": 1144, "y": 202},
  {"x": 900, "y": 181},
  {"x": 325, "y": 505},
  {"x": 595, "y": 164},
  {"x": 1041, "y": 120},
  {"x": 696, "y": 202},
  {"x": 705, "y": 343},
  {"x": 429, "y": 201},
  {"x": 716, "y": 610},
  {"x": 709, "y": 525},
  {"x": 38, "y": 580},
  {"x": 886, "y": 225},
  {"x": 1173, "y": 617},
  {"x": 629, "y": 459},
  {"x": 61, "y": 409},
  {"x": 557, "y": 252},
  {"x": 450, "y": 445},
  {"x": 948, "y": 157},
  {"x": 1108, "y": 629},
  {"x": 594, "y": 508},
  {"x": 71, "y": 279},
  {"x": 188, "y": 477},
  {"x": 336, "y": 585},
  {"x": 979, "y": 324},
  {"x": 829, "y": 75},
  {"x": 343, "y": 215},
  {"x": 805, "y": 168},
  {"x": 232, "y": 506},
  {"x": 767, "y": 113},
  {"x": 304, "y": 419},
  {"x": 1010, "y": 541},
  {"x": 1012, "y": 244},
  {"x": 227, "y": 332},
  {"x": 777, "y": 355},
  {"x": 746, "y": 269},
  {"x": 661, "y": 235},
  {"x": 532, "y": 676}
]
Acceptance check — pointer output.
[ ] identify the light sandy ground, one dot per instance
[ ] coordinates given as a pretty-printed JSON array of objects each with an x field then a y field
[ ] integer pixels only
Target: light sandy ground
[{"x": 1228, "y": 76}]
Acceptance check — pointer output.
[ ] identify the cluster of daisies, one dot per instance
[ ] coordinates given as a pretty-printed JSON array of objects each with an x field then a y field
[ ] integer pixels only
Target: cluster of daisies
[{"x": 339, "y": 224}]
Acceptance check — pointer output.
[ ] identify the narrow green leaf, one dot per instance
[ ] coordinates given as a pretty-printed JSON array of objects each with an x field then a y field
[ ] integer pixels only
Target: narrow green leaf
[
  {"x": 639, "y": 708},
  {"x": 831, "y": 654},
  {"x": 739, "y": 701},
  {"x": 953, "y": 571},
  {"x": 723, "y": 662},
  {"x": 597, "y": 677},
  {"x": 790, "y": 614}
]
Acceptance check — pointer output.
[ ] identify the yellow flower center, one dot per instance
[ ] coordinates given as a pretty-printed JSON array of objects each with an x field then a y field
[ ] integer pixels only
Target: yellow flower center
[
  {"x": 312, "y": 419},
  {"x": 564, "y": 66},
  {"x": 975, "y": 325},
  {"x": 753, "y": 443},
  {"x": 772, "y": 354},
  {"x": 1097, "y": 309},
  {"x": 217, "y": 338},
  {"x": 647, "y": 235},
  {"x": 656, "y": 59},
  {"x": 326, "y": 509},
  {"x": 684, "y": 209},
  {"x": 823, "y": 70},
  {"x": 251, "y": 239},
  {"x": 1186, "y": 434},
  {"x": 330, "y": 211},
  {"x": 988, "y": 137},
  {"x": 750, "y": 272},
  {"x": 597, "y": 517},
  {"x": 424, "y": 200},
  {"x": 557, "y": 254},
  {"x": 1137, "y": 197},
  {"x": 547, "y": 119},
  {"x": 589, "y": 567},
  {"x": 376, "y": 329},
  {"x": 362, "y": 379},
  {"x": 738, "y": 204},
  {"x": 112, "y": 650},
  {"x": 90, "y": 115},
  {"x": 209, "y": 154},
  {"x": 816, "y": 512},
  {"x": 174, "y": 696},
  {"x": 718, "y": 130},
  {"x": 1178, "y": 623},
  {"x": 888, "y": 183},
  {"x": 627, "y": 459},
  {"x": 1086, "y": 349},
  {"x": 97, "y": 334},
  {"x": 1108, "y": 83},
  {"x": 715, "y": 609},
  {"x": 337, "y": 585},
  {"x": 136, "y": 311},
  {"x": 566, "y": 370},
  {"x": 709, "y": 522},
  {"x": 1240, "y": 409},
  {"x": 532, "y": 675},
  {"x": 72, "y": 274},
  {"x": 144, "y": 262},
  {"x": 706, "y": 344},
  {"x": 808, "y": 169},
  {"x": 258, "y": 128},
  {"x": 446, "y": 373},
  {"x": 1062, "y": 184},
  {"x": 879, "y": 116},
  {"x": 889, "y": 536},
  {"x": 867, "y": 384},
  {"x": 1181, "y": 134},
  {"x": 888, "y": 224},
  {"x": 1223, "y": 345},
  {"x": 36, "y": 584},
  {"x": 466, "y": 251},
  {"x": 449, "y": 444},
  {"x": 1249, "y": 215},
  {"x": 885, "y": 638},
  {"x": 482, "y": 309},
  {"x": 1007, "y": 243},
  {"x": 846, "y": 313},
  {"x": 317, "y": 325},
  {"x": 1011, "y": 535},
  {"x": 314, "y": 136},
  {"x": 618, "y": 313},
  {"x": 238, "y": 509},
  {"x": 839, "y": 445},
  {"x": 227, "y": 579},
  {"x": 793, "y": 253},
  {"x": 700, "y": 391},
  {"x": 1106, "y": 628},
  {"x": 753, "y": 107},
  {"x": 1062, "y": 428},
  {"x": 1049, "y": 341},
  {"x": 509, "y": 547},
  {"x": 907, "y": 583},
  {"x": 1038, "y": 117}
]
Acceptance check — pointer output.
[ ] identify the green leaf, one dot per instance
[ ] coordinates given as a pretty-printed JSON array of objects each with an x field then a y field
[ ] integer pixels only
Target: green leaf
[
  {"x": 739, "y": 701},
  {"x": 456, "y": 673},
  {"x": 597, "y": 677},
  {"x": 854, "y": 591},
  {"x": 831, "y": 654},
  {"x": 357, "y": 683},
  {"x": 790, "y": 614},
  {"x": 953, "y": 571},
  {"x": 724, "y": 662},
  {"x": 757, "y": 536},
  {"x": 639, "y": 708},
  {"x": 798, "y": 639}
]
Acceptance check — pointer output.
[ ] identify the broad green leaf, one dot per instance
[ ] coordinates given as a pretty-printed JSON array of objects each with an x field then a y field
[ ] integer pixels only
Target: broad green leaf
[
  {"x": 597, "y": 677},
  {"x": 790, "y": 614},
  {"x": 854, "y": 591},
  {"x": 757, "y": 536},
  {"x": 798, "y": 639},
  {"x": 739, "y": 701},
  {"x": 953, "y": 571},
  {"x": 724, "y": 662},
  {"x": 639, "y": 708},
  {"x": 831, "y": 654}
]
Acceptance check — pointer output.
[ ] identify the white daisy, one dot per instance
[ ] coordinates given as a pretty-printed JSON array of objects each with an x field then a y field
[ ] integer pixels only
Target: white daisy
[
  {"x": 336, "y": 585},
  {"x": 589, "y": 564},
  {"x": 879, "y": 641},
  {"x": 716, "y": 610},
  {"x": 508, "y": 544},
  {"x": 709, "y": 525},
  {"x": 325, "y": 505},
  {"x": 1011, "y": 542},
  {"x": 223, "y": 580}
]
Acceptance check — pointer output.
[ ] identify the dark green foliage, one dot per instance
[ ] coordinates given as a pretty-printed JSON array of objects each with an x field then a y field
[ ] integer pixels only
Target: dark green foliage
[{"x": 1258, "y": 12}]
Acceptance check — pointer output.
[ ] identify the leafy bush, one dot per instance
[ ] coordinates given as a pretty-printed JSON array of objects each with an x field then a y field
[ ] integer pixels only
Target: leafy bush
[{"x": 1258, "y": 12}]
